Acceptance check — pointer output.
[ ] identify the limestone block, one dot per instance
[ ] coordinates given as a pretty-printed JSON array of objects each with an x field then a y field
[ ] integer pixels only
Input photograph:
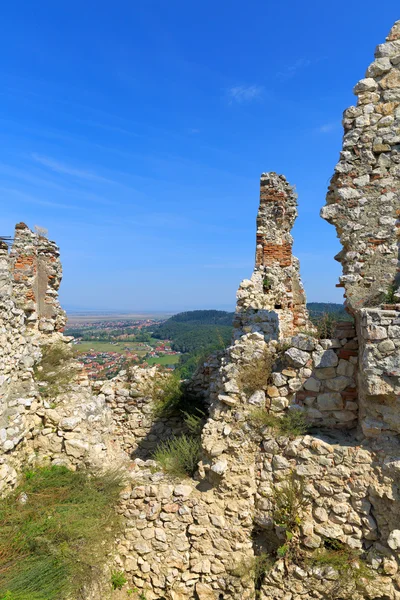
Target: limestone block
[
  {"x": 76, "y": 448},
  {"x": 205, "y": 592},
  {"x": 325, "y": 359},
  {"x": 337, "y": 384},
  {"x": 258, "y": 398},
  {"x": 296, "y": 357},
  {"x": 330, "y": 401},
  {"x": 325, "y": 373},
  {"x": 312, "y": 385}
]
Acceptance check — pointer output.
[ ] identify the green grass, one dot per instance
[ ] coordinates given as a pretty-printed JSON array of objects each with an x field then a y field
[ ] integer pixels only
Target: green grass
[
  {"x": 120, "y": 347},
  {"x": 56, "y": 541},
  {"x": 172, "y": 359}
]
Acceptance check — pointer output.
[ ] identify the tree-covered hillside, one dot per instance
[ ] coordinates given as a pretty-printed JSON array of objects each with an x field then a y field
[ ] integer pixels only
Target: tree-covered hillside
[{"x": 196, "y": 330}]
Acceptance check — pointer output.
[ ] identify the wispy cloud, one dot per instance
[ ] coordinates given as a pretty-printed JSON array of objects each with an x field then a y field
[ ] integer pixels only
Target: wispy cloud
[
  {"x": 240, "y": 94},
  {"x": 64, "y": 169},
  {"x": 33, "y": 200},
  {"x": 232, "y": 265},
  {"x": 291, "y": 70},
  {"x": 328, "y": 127}
]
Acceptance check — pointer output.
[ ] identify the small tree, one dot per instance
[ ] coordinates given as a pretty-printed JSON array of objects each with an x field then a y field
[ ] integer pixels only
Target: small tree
[{"x": 42, "y": 231}]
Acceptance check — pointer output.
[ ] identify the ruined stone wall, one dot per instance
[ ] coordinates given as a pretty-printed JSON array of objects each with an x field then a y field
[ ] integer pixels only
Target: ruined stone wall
[
  {"x": 363, "y": 199},
  {"x": 273, "y": 302},
  {"x": 37, "y": 274},
  {"x": 363, "y": 203}
]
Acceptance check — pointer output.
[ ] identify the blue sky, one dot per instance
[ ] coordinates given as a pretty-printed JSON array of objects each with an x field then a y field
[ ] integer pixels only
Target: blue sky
[{"x": 136, "y": 132}]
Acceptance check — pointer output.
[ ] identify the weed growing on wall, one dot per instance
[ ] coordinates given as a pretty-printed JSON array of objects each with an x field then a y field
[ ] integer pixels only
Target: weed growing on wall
[
  {"x": 56, "y": 531},
  {"x": 289, "y": 503},
  {"x": 55, "y": 371},
  {"x": 346, "y": 561},
  {"x": 254, "y": 375},
  {"x": 291, "y": 424}
]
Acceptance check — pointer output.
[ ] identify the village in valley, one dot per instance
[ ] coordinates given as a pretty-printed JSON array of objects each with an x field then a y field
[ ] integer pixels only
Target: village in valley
[{"x": 104, "y": 345}]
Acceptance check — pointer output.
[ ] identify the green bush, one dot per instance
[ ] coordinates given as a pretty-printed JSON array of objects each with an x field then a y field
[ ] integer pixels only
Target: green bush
[
  {"x": 179, "y": 456},
  {"x": 55, "y": 541},
  {"x": 194, "y": 421},
  {"x": 55, "y": 371},
  {"x": 118, "y": 580}
]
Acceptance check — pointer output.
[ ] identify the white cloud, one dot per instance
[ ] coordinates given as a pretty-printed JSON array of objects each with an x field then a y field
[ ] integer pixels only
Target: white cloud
[
  {"x": 327, "y": 127},
  {"x": 291, "y": 70},
  {"x": 244, "y": 93}
]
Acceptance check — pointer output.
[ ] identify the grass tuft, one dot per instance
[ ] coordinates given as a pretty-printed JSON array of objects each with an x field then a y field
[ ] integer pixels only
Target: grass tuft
[
  {"x": 56, "y": 542},
  {"x": 291, "y": 424},
  {"x": 254, "y": 376},
  {"x": 345, "y": 560},
  {"x": 118, "y": 580},
  {"x": 179, "y": 456}
]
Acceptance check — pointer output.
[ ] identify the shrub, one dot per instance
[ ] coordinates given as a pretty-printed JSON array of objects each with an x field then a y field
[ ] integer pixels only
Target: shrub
[
  {"x": 391, "y": 295},
  {"x": 118, "y": 580},
  {"x": 289, "y": 503},
  {"x": 55, "y": 369},
  {"x": 254, "y": 376},
  {"x": 167, "y": 394},
  {"x": 326, "y": 326},
  {"x": 291, "y": 424},
  {"x": 194, "y": 421},
  {"x": 54, "y": 545},
  {"x": 179, "y": 456}
]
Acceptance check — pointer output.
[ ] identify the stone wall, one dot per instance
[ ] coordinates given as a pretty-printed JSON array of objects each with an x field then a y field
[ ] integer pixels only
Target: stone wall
[
  {"x": 273, "y": 302},
  {"x": 363, "y": 198},
  {"x": 130, "y": 399},
  {"x": 379, "y": 371}
]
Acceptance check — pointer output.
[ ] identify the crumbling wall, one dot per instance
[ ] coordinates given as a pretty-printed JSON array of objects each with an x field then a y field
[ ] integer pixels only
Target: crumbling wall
[
  {"x": 37, "y": 274},
  {"x": 363, "y": 198},
  {"x": 273, "y": 302},
  {"x": 363, "y": 203}
]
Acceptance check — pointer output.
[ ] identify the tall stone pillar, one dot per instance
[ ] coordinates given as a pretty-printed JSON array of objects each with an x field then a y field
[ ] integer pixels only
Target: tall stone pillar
[
  {"x": 37, "y": 273},
  {"x": 273, "y": 302}
]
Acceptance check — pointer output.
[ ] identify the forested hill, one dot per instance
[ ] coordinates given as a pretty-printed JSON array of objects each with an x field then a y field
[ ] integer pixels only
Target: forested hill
[
  {"x": 317, "y": 309},
  {"x": 204, "y": 317},
  {"x": 196, "y": 330}
]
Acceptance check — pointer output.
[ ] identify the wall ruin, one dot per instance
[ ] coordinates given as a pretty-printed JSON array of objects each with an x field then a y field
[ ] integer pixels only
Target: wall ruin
[{"x": 272, "y": 301}]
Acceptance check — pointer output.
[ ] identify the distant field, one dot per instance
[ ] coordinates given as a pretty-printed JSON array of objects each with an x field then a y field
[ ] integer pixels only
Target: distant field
[
  {"x": 163, "y": 360},
  {"x": 84, "y": 347},
  {"x": 77, "y": 318}
]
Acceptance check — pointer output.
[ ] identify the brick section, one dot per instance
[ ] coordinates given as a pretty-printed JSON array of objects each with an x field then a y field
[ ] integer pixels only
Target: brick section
[{"x": 280, "y": 254}]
